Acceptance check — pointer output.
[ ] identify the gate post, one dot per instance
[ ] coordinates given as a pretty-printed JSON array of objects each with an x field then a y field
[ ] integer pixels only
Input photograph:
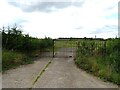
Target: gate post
[{"x": 53, "y": 48}]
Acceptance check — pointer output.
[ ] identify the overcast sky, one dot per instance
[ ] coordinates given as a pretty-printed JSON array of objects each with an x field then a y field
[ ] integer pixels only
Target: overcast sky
[{"x": 57, "y": 18}]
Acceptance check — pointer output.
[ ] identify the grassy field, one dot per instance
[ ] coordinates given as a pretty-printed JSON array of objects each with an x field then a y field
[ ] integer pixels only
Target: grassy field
[{"x": 64, "y": 44}]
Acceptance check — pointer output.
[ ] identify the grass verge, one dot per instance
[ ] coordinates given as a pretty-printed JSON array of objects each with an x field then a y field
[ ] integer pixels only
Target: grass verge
[
  {"x": 12, "y": 59},
  {"x": 98, "y": 66}
]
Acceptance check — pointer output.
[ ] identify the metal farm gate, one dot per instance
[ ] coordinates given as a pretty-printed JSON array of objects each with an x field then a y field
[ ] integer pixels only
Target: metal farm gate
[{"x": 64, "y": 48}]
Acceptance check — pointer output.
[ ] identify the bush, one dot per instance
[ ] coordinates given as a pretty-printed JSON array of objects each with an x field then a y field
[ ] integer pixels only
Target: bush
[
  {"x": 13, "y": 39},
  {"x": 18, "y": 48}
]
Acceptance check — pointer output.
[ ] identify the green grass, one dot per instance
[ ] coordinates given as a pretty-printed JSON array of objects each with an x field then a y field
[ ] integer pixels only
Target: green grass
[
  {"x": 64, "y": 44},
  {"x": 12, "y": 59},
  {"x": 102, "y": 61},
  {"x": 95, "y": 66}
]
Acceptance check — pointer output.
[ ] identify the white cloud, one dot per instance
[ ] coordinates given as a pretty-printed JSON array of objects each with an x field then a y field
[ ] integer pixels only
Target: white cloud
[
  {"x": 63, "y": 22},
  {"x": 8, "y": 13}
]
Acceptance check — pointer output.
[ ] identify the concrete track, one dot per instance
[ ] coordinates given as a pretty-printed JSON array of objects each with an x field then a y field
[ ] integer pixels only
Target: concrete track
[{"x": 61, "y": 73}]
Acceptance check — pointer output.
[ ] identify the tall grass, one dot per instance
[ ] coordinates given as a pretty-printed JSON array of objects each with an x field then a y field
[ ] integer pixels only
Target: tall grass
[
  {"x": 102, "y": 60},
  {"x": 12, "y": 59}
]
